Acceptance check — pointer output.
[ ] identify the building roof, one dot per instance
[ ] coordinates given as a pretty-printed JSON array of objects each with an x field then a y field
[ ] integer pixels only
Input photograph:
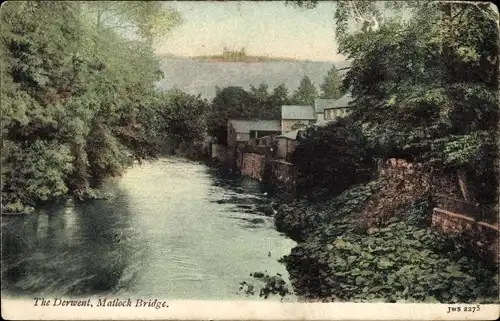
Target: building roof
[
  {"x": 321, "y": 104},
  {"x": 290, "y": 135},
  {"x": 342, "y": 102},
  {"x": 304, "y": 112},
  {"x": 245, "y": 126}
]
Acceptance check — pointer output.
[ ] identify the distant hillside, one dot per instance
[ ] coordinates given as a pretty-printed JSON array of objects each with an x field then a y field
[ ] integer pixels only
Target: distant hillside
[
  {"x": 247, "y": 59},
  {"x": 202, "y": 76},
  {"x": 232, "y": 56}
]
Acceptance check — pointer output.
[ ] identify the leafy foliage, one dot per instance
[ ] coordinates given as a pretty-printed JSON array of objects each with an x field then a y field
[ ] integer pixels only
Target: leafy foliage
[
  {"x": 148, "y": 21},
  {"x": 338, "y": 259},
  {"x": 332, "y": 158},
  {"x": 183, "y": 116},
  {"x": 78, "y": 101},
  {"x": 302, "y": 218},
  {"x": 425, "y": 87},
  {"x": 398, "y": 262}
]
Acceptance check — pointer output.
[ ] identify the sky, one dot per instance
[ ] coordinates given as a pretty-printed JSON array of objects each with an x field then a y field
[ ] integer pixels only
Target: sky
[{"x": 263, "y": 28}]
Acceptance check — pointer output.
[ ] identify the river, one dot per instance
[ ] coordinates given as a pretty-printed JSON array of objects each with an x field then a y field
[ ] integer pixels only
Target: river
[{"x": 171, "y": 229}]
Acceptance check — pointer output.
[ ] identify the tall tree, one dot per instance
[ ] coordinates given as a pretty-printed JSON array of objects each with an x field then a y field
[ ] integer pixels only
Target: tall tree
[
  {"x": 78, "y": 102},
  {"x": 230, "y": 103},
  {"x": 265, "y": 106},
  {"x": 260, "y": 93},
  {"x": 332, "y": 85},
  {"x": 280, "y": 95},
  {"x": 305, "y": 93},
  {"x": 153, "y": 19},
  {"x": 183, "y": 116}
]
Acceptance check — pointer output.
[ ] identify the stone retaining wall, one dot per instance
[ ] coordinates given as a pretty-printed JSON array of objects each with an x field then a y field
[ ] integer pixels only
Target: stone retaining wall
[
  {"x": 278, "y": 173},
  {"x": 282, "y": 174},
  {"x": 252, "y": 165},
  {"x": 480, "y": 236}
]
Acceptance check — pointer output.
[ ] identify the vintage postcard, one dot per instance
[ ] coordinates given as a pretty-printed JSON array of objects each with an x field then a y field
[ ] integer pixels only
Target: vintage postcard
[{"x": 253, "y": 160}]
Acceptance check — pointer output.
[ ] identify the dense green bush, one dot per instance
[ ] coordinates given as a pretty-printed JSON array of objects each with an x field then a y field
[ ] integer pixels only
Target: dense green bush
[
  {"x": 183, "y": 118},
  {"x": 78, "y": 99},
  {"x": 332, "y": 158}
]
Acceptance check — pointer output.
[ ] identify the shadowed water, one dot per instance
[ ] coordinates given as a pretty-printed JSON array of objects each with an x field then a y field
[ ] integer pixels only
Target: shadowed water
[{"x": 172, "y": 229}]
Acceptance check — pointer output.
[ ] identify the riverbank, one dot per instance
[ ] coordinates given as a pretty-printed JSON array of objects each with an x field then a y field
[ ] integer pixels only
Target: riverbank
[{"x": 368, "y": 245}]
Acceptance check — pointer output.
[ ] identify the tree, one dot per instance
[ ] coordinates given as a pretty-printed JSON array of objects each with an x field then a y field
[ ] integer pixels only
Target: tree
[
  {"x": 278, "y": 98},
  {"x": 425, "y": 88},
  {"x": 332, "y": 85},
  {"x": 280, "y": 95},
  {"x": 78, "y": 102},
  {"x": 183, "y": 116},
  {"x": 435, "y": 101},
  {"x": 230, "y": 103},
  {"x": 260, "y": 93},
  {"x": 153, "y": 19},
  {"x": 305, "y": 93}
]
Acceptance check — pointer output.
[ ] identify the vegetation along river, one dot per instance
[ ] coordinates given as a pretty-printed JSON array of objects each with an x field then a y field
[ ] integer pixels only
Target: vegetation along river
[{"x": 171, "y": 229}]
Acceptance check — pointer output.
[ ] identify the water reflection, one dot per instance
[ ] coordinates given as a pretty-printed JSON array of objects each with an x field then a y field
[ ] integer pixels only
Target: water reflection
[
  {"x": 172, "y": 229},
  {"x": 70, "y": 251}
]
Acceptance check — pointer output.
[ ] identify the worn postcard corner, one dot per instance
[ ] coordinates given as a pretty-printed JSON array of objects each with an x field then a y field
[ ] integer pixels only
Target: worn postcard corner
[{"x": 253, "y": 160}]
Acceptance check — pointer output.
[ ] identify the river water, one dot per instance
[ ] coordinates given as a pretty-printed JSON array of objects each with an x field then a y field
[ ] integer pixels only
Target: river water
[{"x": 171, "y": 229}]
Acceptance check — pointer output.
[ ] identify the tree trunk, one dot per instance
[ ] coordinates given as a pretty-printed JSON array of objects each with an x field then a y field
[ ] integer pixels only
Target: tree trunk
[{"x": 462, "y": 182}]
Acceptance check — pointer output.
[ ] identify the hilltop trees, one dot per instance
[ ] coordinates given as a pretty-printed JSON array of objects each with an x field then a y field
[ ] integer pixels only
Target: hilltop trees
[
  {"x": 332, "y": 87},
  {"x": 305, "y": 93},
  {"x": 78, "y": 102}
]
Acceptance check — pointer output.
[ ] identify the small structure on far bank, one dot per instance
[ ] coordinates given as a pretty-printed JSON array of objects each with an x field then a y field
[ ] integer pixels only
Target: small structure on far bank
[
  {"x": 240, "y": 131},
  {"x": 286, "y": 144}
]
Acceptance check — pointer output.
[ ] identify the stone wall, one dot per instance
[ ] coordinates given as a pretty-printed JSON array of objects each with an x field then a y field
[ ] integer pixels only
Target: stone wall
[
  {"x": 281, "y": 174},
  {"x": 480, "y": 236},
  {"x": 278, "y": 173},
  {"x": 252, "y": 165},
  {"x": 452, "y": 215}
]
